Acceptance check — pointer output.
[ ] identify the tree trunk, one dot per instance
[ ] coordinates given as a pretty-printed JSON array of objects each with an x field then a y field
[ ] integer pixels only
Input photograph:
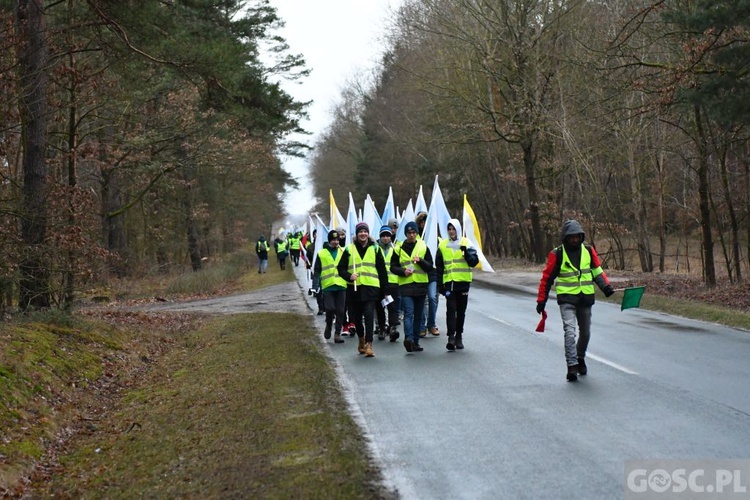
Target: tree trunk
[
  {"x": 69, "y": 276},
  {"x": 639, "y": 214},
  {"x": 734, "y": 224},
  {"x": 33, "y": 52},
  {"x": 709, "y": 271},
  {"x": 537, "y": 244}
]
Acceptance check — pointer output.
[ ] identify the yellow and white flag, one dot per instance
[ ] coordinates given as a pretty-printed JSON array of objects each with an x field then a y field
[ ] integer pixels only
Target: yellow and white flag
[
  {"x": 471, "y": 230},
  {"x": 337, "y": 220}
]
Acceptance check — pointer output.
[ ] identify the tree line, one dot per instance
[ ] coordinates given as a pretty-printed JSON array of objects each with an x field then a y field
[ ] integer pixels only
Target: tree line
[
  {"x": 629, "y": 116},
  {"x": 137, "y": 136}
]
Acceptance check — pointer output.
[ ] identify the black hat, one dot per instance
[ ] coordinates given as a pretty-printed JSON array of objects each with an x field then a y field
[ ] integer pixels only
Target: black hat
[{"x": 333, "y": 235}]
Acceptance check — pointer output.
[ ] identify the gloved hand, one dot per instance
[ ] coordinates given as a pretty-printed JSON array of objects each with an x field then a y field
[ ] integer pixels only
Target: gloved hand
[
  {"x": 463, "y": 248},
  {"x": 540, "y": 307},
  {"x": 608, "y": 290}
]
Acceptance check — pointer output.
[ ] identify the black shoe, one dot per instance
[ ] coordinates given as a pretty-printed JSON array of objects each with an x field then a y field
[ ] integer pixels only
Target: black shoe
[
  {"x": 451, "y": 345},
  {"x": 459, "y": 341},
  {"x": 327, "y": 332},
  {"x": 394, "y": 334},
  {"x": 582, "y": 368},
  {"x": 572, "y": 375},
  {"x": 417, "y": 348},
  {"x": 321, "y": 313},
  {"x": 381, "y": 334},
  {"x": 408, "y": 345}
]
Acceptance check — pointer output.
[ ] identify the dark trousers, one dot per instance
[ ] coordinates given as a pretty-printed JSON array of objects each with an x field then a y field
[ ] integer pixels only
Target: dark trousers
[
  {"x": 319, "y": 296},
  {"x": 335, "y": 301},
  {"x": 295, "y": 256},
  {"x": 391, "y": 309},
  {"x": 455, "y": 316},
  {"x": 359, "y": 311}
]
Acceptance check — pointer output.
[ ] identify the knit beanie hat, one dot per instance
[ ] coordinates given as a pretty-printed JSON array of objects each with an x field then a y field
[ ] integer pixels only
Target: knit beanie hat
[
  {"x": 332, "y": 235},
  {"x": 410, "y": 226},
  {"x": 386, "y": 229},
  {"x": 361, "y": 226}
]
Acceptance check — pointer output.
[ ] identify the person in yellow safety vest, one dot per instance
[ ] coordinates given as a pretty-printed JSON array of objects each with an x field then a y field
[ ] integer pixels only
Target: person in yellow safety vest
[
  {"x": 363, "y": 268},
  {"x": 332, "y": 285},
  {"x": 412, "y": 262},
  {"x": 428, "y": 322},
  {"x": 348, "y": 327},
  {"x": 282, "y": 251},
  {"x": 576, "y": 267},
  {"x": 294, "y": 247},
  {"x": 261, "y": 250},
  {"x": 387, "y": 328},
  {"x": 455, "y": 258}
]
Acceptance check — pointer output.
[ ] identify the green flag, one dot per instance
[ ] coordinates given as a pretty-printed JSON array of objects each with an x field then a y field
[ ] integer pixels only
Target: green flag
[{"x": 631, "y": 297}]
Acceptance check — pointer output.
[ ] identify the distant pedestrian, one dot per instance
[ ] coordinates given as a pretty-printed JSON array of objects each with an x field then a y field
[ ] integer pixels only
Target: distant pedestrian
[
  {"x": 282, "y": 251},
  {"x": 412, "y": 262},
  {"x": 261, "y": 250},
  {"x": 455, "y": 258},
  {"x": 576, "y": 267},
  {"x": 294, "y": 241}
]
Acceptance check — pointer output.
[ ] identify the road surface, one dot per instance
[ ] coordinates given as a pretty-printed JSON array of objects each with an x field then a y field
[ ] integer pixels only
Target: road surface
[{"x": 498, "y": 420}]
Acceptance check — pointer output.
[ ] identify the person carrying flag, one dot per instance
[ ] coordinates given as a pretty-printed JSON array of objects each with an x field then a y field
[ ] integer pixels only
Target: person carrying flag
[
  {"x": 455, "y": 258},
  {"x": 576, "y": 267},
  {"x": 363, "y": 268}
]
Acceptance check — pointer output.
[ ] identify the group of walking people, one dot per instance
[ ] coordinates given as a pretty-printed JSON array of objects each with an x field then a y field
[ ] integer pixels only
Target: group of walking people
[
  {"x": 376, "y": 280},
  {"x": 372, "y": 280},
  {"x": 291, "y": 246}
]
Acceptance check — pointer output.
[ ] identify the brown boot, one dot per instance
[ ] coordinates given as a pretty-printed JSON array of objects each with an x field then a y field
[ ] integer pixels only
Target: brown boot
[
  {"x": 368, "y": 350},
  {"x": 361, "y": 346},
  {"x": 337, "y": 338}
]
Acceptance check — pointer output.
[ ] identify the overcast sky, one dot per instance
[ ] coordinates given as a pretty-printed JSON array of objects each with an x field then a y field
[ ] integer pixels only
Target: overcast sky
[{"x": 338, "y": 39}]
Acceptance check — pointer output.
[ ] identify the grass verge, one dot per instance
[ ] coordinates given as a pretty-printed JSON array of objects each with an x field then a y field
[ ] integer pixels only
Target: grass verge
[{"x": 250, "y": 409}]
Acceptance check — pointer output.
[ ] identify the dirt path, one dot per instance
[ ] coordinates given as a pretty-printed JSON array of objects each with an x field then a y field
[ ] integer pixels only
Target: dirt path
[{"x": 285, "y": 297}]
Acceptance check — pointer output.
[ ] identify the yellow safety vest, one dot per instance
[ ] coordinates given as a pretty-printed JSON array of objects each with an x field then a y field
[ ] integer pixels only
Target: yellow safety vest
[
  {"x": 405, "y": 260},
  {"x": 455, "y": 266},
  {"x": 329, "y": 275},
  {"x": 294, "y": 243},
  {"x": 572, "y": 281},
  {"x": 263, "y": 245},
  {"x": 281, "y": 247},
  {"x": 367, "y": 274},
  {"x": 387, "y": 253}
]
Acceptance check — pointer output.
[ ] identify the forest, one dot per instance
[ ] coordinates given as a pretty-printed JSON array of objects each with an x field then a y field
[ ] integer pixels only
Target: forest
[
  {"x": 144, "y": 136},
  {"x": 138, "y": 137},
  {"x": 630, "y": 116}
]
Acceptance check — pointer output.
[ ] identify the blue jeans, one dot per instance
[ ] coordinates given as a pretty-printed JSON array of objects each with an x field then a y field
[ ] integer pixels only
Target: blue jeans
[
  {"x": 430, "y": 312},
  {"x": 413, "y": 308},
  {"x": 262, "y": 264}
]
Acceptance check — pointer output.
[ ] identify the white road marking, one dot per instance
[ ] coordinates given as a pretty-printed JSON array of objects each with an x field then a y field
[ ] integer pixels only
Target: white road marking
[
  {"x": 498, "y": 320},
  {"x": 610, "y": 363},
  {"x": 589, "y": 355}
]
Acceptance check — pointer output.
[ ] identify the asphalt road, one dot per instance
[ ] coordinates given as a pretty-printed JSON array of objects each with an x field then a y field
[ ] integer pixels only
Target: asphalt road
[{"x": 498, "y": 420}]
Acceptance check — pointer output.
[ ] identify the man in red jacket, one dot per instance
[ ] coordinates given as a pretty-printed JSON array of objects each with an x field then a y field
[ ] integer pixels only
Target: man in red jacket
[{"x": 575, "y": 267}]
